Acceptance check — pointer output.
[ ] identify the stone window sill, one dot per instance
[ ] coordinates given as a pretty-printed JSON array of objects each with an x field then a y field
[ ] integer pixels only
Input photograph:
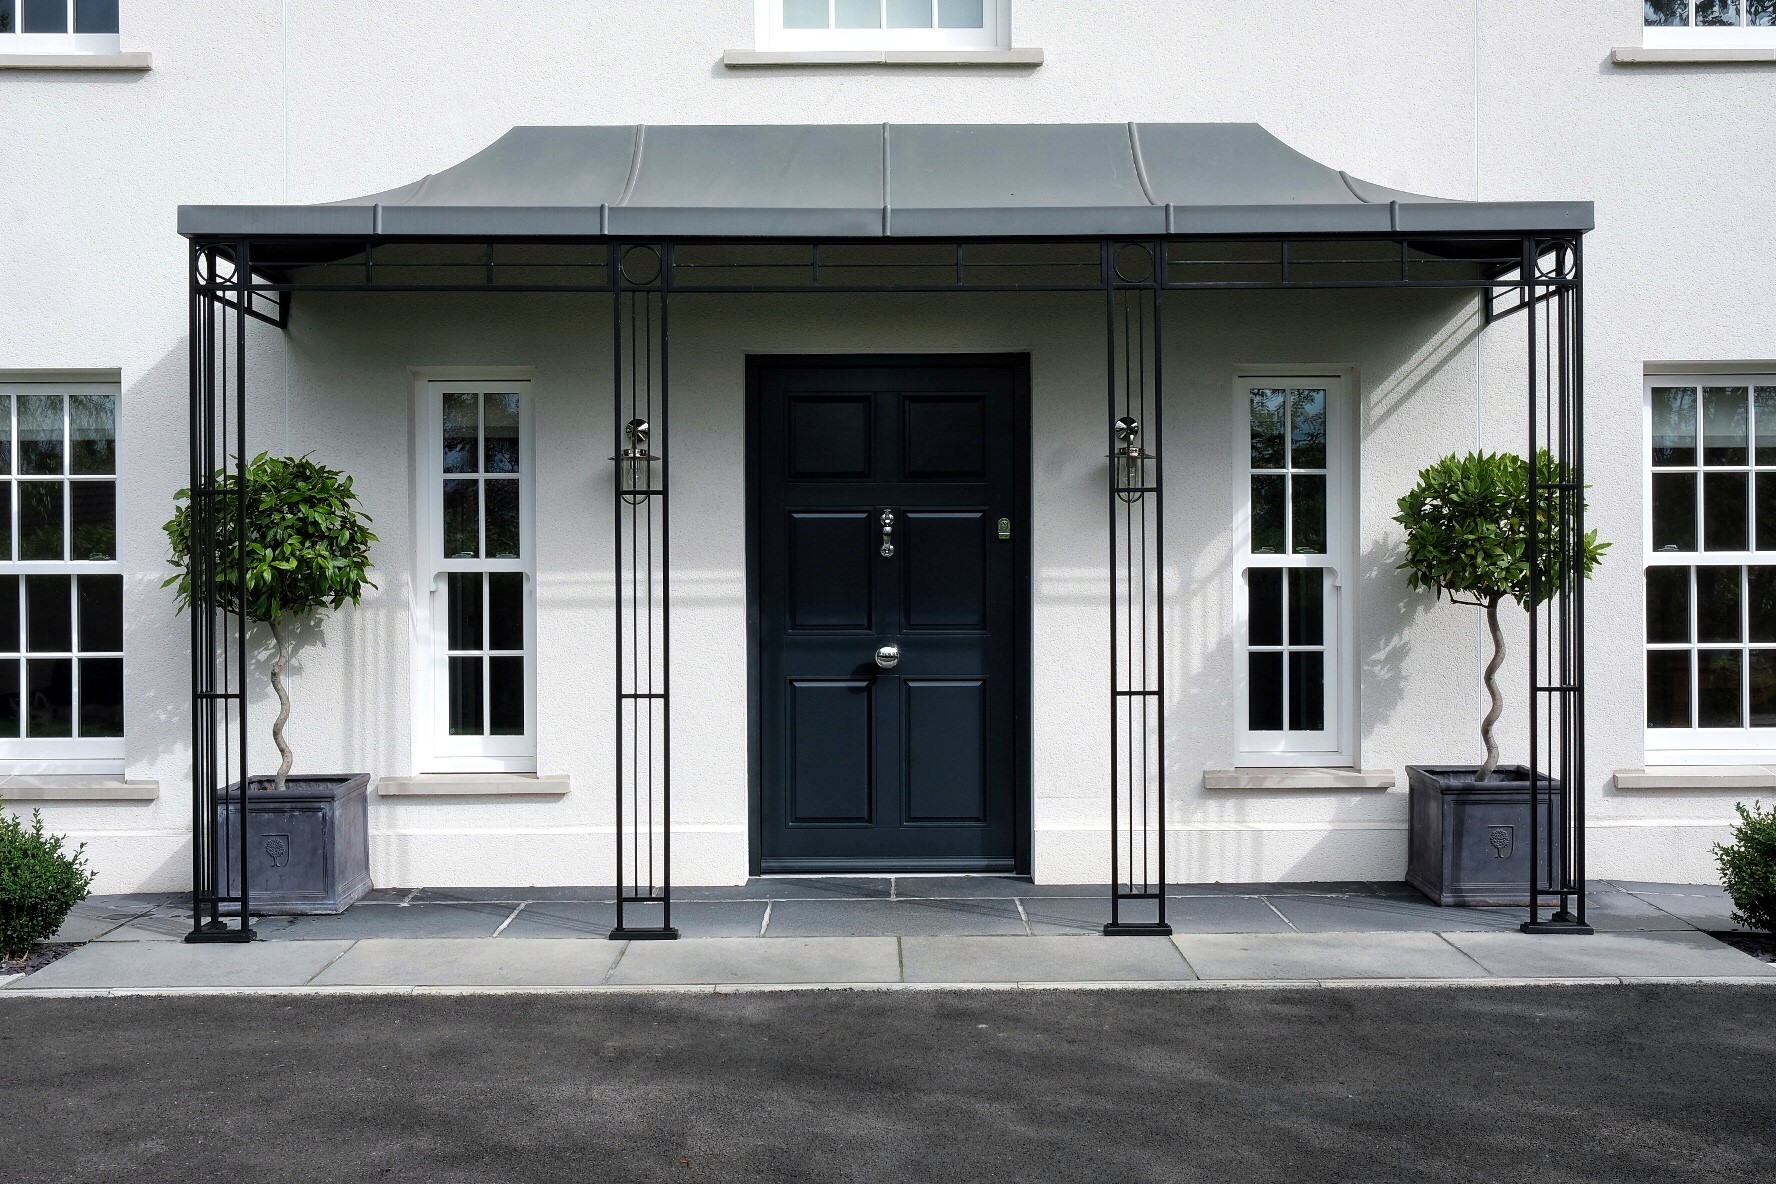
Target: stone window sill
[
  {"x": 133, "y": 60},
  {"x": 1313, "y": 778},
  {"x": 75, "y": 787},
  {"x": 457, "y": 785},
  {"x": 1640, "y": 55},
  {"x": 733, "y": 58},
  {"x": 1697, "y": 777}
]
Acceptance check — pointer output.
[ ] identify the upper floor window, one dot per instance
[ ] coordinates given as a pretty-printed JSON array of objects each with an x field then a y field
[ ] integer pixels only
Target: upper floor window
[
  {"x": 1294, "y": 442},
  {"x": 58, "y": 26},
  {"x": 1677, "y": 23},
  {"x": 884, "y": 24},
  {"x": 1711, "y": 566}
]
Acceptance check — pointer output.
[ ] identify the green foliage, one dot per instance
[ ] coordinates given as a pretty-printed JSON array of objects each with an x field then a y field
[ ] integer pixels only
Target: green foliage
[
  {"x": 308, "y": 545},
  {"x": 1467, "y": 529},
  {"x": 1748, "y": 867},
  {"x": 39, "y": 883}
]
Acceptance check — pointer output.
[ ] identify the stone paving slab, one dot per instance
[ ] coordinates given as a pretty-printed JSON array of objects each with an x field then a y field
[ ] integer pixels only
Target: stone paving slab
[
  {"x": 1041, "y": 959},
  {"x": 692, "y": 919},
  {"x": 146, "y": 964},
  {"x": 1312, "y": 956},
  {"x": 900, "y": 918},
  {"x": 1607, "y": 955},
  {"x": 1193, "y": 914},
  {"x": 797, "y": 888},
  {"x": 479, "y": 919},
  {"x": 759, "y": 960},
  {"x": 455, "y": 962},
  {"x": 1381, "y": 914}
]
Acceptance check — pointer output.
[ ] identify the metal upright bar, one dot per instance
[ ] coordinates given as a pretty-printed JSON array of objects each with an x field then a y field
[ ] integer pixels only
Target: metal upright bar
[
  {"x": 1137, "y": 572},
  {"x": 642, "y": 522}
]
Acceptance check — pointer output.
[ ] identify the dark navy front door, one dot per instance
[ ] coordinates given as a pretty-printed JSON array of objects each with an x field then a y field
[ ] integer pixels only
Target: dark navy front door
[{"x": 891, "y": 593}]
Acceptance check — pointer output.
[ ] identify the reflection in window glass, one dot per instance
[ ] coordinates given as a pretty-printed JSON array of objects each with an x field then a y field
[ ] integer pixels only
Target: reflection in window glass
[
  {"x": 857, "y": 14},
  {"x": 95, "y": 16},
  {"x": 8, "y": 16},
  {"x": 961, "y": 14},
  {"x": 806, "y": 14},
  {"x": 44, "y": 16}
]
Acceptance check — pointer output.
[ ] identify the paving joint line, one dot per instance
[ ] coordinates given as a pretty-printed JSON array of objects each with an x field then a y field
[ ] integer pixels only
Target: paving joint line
[
  {"x": 1271, "y": 904},
  {"x": 511, "y": 918},
  {"x": 615, "y": 962},
  {"x": 1445, "y": 937},
  {"x": 331, "y": 962}
]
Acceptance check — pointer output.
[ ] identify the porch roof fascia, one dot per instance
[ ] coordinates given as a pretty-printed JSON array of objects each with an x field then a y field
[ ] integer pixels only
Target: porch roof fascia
[{"x": 886, "y": 182}]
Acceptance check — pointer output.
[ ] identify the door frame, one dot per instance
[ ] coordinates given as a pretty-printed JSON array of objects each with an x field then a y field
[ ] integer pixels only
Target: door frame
[{"x": 1018, "y": 364}]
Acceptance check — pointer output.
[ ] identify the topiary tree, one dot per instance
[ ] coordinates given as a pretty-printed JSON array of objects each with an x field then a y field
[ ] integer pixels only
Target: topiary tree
[
  {"x": 1467, "y": 537},
  {"x": 39, "y": 883},
  {"x": 1748, "y": 867},
  {"x": 308, "y": 550}
]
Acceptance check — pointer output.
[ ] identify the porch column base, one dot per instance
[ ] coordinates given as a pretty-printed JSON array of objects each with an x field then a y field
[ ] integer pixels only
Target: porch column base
[
  {"x": 1562, "y": 922},
  {"x": 655, "y": 933},
  {"x": 1137, "y": 929},
  {"x": 221, "y": 933}
]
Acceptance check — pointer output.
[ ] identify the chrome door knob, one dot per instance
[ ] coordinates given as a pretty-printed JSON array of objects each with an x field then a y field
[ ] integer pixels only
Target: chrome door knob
[{"x": 888, "y": 657}]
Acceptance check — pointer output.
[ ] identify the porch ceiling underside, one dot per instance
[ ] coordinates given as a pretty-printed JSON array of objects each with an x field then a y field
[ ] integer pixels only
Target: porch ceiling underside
[{"x": 886, "y": 181}]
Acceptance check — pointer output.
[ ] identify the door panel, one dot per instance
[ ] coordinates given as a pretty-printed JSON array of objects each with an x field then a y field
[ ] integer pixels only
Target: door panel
[
  {"x": 945, "y": 570},
  {"x": 943, "y": 736},
  {"x": 879, "y": 487},
  {"x": 828, "y": 573},
  {"x": 829, "y": 726},
  {"x": 830, "y": 436}
]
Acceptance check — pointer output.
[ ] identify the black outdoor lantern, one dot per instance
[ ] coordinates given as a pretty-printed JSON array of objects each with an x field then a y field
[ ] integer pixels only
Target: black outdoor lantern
[
  {"x": 635, "y": 477},
  {"x": 1130, "y": 460}
]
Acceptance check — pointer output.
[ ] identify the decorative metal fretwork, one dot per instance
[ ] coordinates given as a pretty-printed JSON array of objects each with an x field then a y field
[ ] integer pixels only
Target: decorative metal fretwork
[
  {"x": 643, "y": 604},
  {"x": 221, "y": 887},
  {"x": 1555, "y": 349},
  {"x": 1136, "y": 501}
]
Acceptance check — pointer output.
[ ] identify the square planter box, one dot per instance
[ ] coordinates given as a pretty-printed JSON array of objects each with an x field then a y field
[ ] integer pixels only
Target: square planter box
[
  {"x": 1469, "y": 843},
  {"x": 308, "y": 848}
]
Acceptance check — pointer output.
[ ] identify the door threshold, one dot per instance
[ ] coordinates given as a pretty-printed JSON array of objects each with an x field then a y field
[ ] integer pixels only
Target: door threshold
[{"x": 880, "y": 869}]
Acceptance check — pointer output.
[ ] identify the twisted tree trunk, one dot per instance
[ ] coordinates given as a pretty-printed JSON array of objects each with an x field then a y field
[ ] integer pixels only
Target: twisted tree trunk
[
  {"x": 1498, "y": 700},
  {"x": 279, "y": 661}
]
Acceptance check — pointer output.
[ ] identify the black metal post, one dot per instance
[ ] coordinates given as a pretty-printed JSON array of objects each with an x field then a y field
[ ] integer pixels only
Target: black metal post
[
  {"x": 218, "y": 661},
  {"x": 1556, "y": 637},
  {"x": 642, "y": 586},
  {"x": 1133, "y": 274}
]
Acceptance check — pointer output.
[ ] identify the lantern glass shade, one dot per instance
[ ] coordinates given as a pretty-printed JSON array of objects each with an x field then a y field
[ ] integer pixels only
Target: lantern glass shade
[{"x": 635, "y": 474}]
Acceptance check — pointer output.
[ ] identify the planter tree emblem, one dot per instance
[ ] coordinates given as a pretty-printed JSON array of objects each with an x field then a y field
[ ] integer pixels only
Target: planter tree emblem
[
  {"x": 1467, "y": 537},
  {"x": 308, "y": 550}
]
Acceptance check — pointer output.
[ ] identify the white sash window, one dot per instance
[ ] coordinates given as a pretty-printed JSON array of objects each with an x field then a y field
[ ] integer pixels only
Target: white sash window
[
  {"x": 884, "y": 24},
  {"x": 1294, "y": 447},
  {"x": 1711, "y": 567},
  {"x": 476, "y": 668},
  {"x": 61, "y": 585}
]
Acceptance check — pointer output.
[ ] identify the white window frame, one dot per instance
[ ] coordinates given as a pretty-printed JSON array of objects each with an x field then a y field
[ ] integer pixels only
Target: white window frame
[
  {"x": 1702, "y": 746},
  {"x": 1740, "y": 36},
  {"x": 71, "y": 754},
  {"x": 1335, "y": 745},
  {"x": 62, "y": 43},
  {"x": 995, "y": 33},
  {"x": 435, "y": 750}
]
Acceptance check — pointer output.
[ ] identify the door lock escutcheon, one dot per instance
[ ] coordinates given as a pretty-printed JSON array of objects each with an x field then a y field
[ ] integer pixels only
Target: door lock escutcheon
[
  {"x": 887, "y": 533},
  {"x": 1005, "y": 530}
]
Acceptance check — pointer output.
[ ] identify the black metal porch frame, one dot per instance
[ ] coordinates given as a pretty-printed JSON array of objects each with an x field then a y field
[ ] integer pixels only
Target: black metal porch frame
[{"x": 234, "y": 280}]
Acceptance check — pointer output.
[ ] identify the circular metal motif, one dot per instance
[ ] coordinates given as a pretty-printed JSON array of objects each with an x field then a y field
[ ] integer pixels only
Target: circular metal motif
[
  {"x": 217, "y": 261},
  {"x": 1133, "y": 263},
  {"x": 641, "y": 266}
]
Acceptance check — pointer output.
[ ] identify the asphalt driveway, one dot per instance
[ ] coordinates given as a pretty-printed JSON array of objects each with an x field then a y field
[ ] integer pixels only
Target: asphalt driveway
[{"x": 1615, "y": 1084}]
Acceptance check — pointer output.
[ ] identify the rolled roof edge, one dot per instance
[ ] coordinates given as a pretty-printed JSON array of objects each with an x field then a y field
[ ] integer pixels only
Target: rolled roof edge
[{"x": 887, "y": 181}]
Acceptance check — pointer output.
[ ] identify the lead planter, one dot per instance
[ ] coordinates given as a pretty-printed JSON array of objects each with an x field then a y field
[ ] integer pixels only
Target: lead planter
[
  {"x": 308, "y": 846},
  {"x": 1469, "y": 842}
]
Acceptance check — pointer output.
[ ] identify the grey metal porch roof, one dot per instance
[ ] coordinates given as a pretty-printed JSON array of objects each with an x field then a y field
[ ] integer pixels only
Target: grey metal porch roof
[{"x": 876, "y": 181}]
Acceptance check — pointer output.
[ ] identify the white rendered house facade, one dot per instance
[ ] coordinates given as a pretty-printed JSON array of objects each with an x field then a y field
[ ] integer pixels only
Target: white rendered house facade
[{"x": 478, "y": 428}]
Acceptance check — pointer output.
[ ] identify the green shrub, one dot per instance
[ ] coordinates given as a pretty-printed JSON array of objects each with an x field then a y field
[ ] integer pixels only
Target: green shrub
[
  {"x": 307, "y": 550},
  {"x": 39, "y": 883},
  {"x": 1467, "y": 526},
  {"x": 1748, "y": 866}
]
